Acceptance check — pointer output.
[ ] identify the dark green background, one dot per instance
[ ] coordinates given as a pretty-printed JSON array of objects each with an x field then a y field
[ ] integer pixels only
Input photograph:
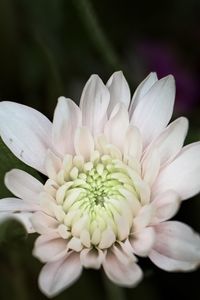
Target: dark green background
[{"x": 49, "y": 48}]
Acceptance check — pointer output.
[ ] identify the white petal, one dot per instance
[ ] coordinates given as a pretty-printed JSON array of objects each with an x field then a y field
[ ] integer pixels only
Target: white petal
[
  {"x": 133, "y": 143},
  {"x": 43, "y": 223},
  {"x": 92, "y": 258},
  {"x": 127, "y": 275},
  {"x": 181, "y": 175},
  {"x": 154, "y": 111},
  {"x": 151, "y": 166},
  {"x": 171, "y": 265},
  {"x": 123, "y": 253},
  {"x": 75, "y": 244},
  {"x": 83, "y": 143},
  {"x": 107, "y": 238},
  {"x": 170, "y": 141},
  {"x": 57, "y": 276},
  {"x": 50, "y": 247},
  {"x": 178, "y": 242},
  {"x": 24, "y": 218},
  {"x": 16, "y": 205},
  {"x": 143, "y": 241},
  {"x": 119, "y": 90},
  {"x": 143, "y": 218},
  {"x": 94, "y": 103},
  {"x": 52, "y": 164},
  {"x": 23, "y": 185},
  {"x": 141, "y": 90},
  {"x": 116, "y": 127},
  {"x": 122, "y": 226},
  {"x": 26, "y": 132},
  {"x": 67, "y": 117},
  {"x": 166, "y": 206}
]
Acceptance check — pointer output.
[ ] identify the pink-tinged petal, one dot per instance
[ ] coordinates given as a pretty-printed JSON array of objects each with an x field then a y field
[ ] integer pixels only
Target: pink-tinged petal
[
  {"x": 119, "y": 91},
  {"x": 117, "y": 125},
  {"x": 57, "y": 276},
  {"x": 26, "y": 132},
  {"x": 166, "y": 206},
  {"x": 123, "y": 252},
  {"x": 133, "y": 143},
  {"x": 92, "y": 258},
  {"x": 53, "y": 164},
  {"x": 50, "y": 247},
  {"x": 181, "y": 175},
  {"x": 43, "y": 223},
  {"x": 171, "y": 265},
  {"x": 178, "y": 242},
  {"x": 141, "y": 90},
  {"x": 83, "y": 143},
  {"x": 107, "y": 238},
  {"x": 23, "y": 185},
  {"x": 143, "y": 218},
  {"x": 170, "y": 141},
  {"x": 24, "y": 218},
  {"x": 154, "y": 111},
  {"x": 16, "y": 205},
  {"x": 75, "y": 244},
  {"x": 128, "y": 275},
  {"x": 143, "y": 241},
  {"x": 151, "y": 166},
  {"x": 47, "y": 204},
  {"x": 67, "y": 117},
  {"x": 94, "y": 103}
]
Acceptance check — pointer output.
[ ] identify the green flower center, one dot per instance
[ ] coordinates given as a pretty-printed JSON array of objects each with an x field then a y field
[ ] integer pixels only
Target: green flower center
[{"x": 97, "y": 199}]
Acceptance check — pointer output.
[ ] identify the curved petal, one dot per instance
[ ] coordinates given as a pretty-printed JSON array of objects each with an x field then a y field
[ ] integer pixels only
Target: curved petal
[
  {"x": 117, "y": 125},
  {"x": 57, "y": 276},
  {"x": 170, "y": 141},
  {"x": 16, "y": 205},
  {"x": 92, "y": 258},
  {"x": 154, "y": 111},
  {"x": 128, "y": 275},
  {"x": 179, "y": 243},
  {"x": 94, "y": 103},
  {"x": 83, "y": 143},
  {"x": 67, "y": 117},
  {"x": 166, "y": 206},
  {"x": 24, "y": 218},
  {"x": 143, "y": 241},
  {"x": 119, "y": 91},
  {"x": 23, "y": 185},
  {"x": 26, "y": 132},
  {"x": 53, "y": 164},
  {"x": 182, "y": 174},
  {"x": 43, "y": 223},
  {"x": 171, "y": 265},
  {"x": 141, "y": 90},
  {"x": 151, "y": 166},
  {"x": 133, "y": 143},
  {"x": 143, "y": 218},
  {"x": 50, "y": 247}
]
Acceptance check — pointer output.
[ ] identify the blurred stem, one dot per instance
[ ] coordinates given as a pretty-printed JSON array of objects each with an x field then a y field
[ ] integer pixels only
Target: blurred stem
[
  {"x": 113, "y": 291},
  {"x": 19, "y": 278},
  {"x": 96, "y": 33},
  {"x": 50, "y": 60}
]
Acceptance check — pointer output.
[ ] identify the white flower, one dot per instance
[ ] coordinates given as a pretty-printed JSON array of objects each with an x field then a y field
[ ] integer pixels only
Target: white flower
[{"x": 116, "y": 173}]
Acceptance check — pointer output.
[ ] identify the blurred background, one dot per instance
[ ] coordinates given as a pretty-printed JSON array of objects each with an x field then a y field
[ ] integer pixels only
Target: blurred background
[{"x": 49, "y": 48}]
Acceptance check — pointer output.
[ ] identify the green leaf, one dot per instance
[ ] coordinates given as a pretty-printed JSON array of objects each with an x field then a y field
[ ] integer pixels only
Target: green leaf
[
  {"x": 8, "y": 162},
  {"x": 12, "y": 231}
]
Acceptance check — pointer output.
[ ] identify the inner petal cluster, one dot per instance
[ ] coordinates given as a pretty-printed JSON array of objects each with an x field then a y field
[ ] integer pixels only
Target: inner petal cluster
[{"x": 95, "y": 200}]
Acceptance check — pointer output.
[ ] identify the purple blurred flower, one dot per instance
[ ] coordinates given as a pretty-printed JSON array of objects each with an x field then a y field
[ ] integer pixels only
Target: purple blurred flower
[{"x": 163, "y": 59}]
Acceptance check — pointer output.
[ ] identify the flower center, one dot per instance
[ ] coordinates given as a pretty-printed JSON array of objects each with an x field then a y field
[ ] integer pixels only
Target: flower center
[{"x": 96, "y": 200}]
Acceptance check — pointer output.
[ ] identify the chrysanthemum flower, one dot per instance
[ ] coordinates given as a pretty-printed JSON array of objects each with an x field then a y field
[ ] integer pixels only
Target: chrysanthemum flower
[{"x": 116, "y": 173}]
